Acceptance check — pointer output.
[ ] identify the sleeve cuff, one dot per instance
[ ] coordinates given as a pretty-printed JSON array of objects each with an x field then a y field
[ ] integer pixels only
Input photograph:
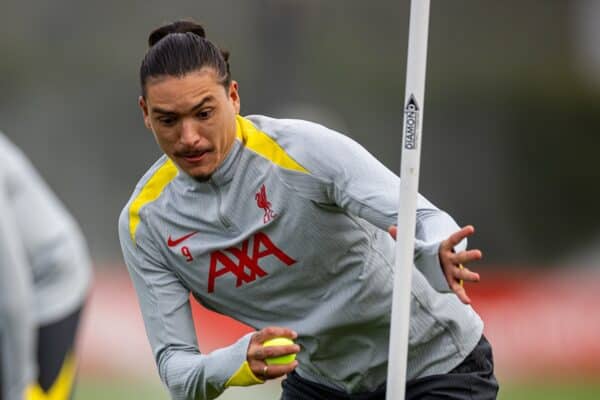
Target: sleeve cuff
[
  {"x": 243, "y": 376},
  {"x": 427, "y": 260}
]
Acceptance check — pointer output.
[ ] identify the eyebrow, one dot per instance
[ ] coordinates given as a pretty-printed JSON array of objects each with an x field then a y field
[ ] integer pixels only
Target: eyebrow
[{"x": 194, "y": 108}]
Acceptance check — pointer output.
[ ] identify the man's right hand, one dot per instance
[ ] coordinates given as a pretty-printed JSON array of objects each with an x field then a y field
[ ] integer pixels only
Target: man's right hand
[{"x": 257, "y": 353}]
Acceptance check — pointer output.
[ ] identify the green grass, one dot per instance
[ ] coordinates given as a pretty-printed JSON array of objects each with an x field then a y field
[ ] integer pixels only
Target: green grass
[
  {"x": 584, "y": 390},
  {"x": 102, "y": 389},
  {"x": 106, "y": 389}
]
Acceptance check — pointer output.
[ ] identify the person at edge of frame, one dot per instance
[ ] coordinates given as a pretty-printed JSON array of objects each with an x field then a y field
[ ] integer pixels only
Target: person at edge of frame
[
  {"x": 286, "y": 226},
  {"x": 45, "y": 274}
]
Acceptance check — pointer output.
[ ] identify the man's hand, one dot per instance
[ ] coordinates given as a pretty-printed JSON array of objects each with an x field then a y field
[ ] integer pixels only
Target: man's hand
[
  {"x": 453, "y": 263},
  {"x": 257, "y": 353}
]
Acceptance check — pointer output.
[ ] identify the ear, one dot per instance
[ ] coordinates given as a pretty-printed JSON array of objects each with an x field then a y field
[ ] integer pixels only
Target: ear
[
  {"x": 144, "y": 107},
  {"x": 234, "y": 95}
]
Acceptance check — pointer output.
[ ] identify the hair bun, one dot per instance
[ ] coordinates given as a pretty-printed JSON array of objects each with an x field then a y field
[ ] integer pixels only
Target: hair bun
[{"x": 175, "y": 27}]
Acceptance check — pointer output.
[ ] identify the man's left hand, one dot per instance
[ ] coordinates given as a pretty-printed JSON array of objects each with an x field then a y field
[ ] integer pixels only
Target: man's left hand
[{"x": 453, "y": 263}]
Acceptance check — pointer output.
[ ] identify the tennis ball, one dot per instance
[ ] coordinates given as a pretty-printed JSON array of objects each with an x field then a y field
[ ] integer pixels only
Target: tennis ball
[{"x": 280, "y": 341}]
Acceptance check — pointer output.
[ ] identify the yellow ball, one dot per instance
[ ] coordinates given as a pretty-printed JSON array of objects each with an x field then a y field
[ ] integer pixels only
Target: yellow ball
[{"x": 285, "y": 359}]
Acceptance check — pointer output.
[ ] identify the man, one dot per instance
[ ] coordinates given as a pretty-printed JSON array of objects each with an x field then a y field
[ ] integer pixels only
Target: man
[
  {"x": 281, "y": 224},
  {"x": 44, "y": 278}
]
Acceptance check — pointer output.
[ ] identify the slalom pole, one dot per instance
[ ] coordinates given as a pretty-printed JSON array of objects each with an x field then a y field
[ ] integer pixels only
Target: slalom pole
[{"x": 409, "y": 183}]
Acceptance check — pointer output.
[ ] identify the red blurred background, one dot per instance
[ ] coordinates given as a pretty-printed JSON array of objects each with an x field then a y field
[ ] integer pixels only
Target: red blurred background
[{"x": 541, "y": 323}]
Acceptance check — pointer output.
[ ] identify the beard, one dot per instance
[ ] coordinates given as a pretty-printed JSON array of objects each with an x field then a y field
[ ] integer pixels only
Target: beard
[{"x": 202, "y": 178}]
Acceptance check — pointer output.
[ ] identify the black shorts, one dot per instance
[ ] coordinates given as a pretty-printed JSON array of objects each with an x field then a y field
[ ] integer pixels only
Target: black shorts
[
  {"x": 473, "y": 379},
  {"x": 55, "y": 360}
]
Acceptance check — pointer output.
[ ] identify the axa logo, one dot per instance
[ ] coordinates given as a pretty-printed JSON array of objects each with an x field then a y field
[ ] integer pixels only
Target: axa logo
[
  {"x": 244, "y": 262},
  {"x": 265, "y": 204}
]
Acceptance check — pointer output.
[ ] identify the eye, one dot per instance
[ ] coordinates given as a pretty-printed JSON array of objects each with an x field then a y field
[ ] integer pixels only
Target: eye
[
  {"x": 167, "y": 121},
  {"x": 205, "y": 113}
]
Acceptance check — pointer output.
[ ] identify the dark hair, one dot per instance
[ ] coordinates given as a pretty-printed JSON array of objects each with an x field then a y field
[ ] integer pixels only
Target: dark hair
[{"x": 180, "y": 48}]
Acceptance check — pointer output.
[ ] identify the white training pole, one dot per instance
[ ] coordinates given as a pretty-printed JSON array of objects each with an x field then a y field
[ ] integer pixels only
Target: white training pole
[{"x": 409, "y": 184}]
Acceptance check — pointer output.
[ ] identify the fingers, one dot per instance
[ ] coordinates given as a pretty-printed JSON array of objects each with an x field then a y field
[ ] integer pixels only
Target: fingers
[
  {"x": 275, "y": 371},
  {"x": 454, "y": 266},
  {"x": 460, "y": 291},
  {"x": 457, "y": 237},
  {"x": 465, "y": 275},
  {"x": 393, "y": 231},
  {"x": 257, "y": 353},
  {"x": 465, "y": 257},
  {"x": 453, "y": 263},
  {"x": 261, "y": 352},
  {"x": 272, "y": 332},
  {"x": 455, "y": 275}
]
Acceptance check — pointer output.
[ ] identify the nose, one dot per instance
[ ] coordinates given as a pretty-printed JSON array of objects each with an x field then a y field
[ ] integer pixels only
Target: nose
[{"x": 190, "y": 135}]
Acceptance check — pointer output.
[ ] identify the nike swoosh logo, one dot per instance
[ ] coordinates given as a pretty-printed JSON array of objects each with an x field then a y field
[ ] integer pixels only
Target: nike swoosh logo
[{"x": 171, "y": 242}]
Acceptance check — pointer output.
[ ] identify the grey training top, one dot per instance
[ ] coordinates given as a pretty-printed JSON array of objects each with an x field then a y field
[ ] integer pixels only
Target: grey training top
[
  {"x": 291, "y": 231},
  {"x": 44, "y": 266}
]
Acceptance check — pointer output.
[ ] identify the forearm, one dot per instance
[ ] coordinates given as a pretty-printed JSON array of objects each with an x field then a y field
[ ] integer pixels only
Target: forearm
[
  {"x": 354, "y": 180},
  {"x": 435, "y": 225},
  {"x": 190, "y": 375}
]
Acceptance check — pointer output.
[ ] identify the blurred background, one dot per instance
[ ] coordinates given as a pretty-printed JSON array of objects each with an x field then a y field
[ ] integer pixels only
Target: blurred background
[{"x": 512, "y": 113}]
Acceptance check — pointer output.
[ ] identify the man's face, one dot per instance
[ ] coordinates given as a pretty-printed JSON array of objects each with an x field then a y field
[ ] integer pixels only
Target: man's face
[{"x": 193, "y": 119}]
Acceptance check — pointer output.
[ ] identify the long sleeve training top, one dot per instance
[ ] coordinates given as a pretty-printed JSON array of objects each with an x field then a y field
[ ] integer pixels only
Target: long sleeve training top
[
  {"x": 290, "y": 230},
  {"x": 44, "y": 266}
]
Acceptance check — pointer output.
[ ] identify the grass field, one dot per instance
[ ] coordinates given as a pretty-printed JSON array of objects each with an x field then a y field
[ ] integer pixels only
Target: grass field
[{"x": 98, "y": 389}]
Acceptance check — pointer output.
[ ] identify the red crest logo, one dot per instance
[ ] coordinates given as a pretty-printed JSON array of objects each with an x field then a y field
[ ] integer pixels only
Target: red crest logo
[{"x": 265, "y": 204}]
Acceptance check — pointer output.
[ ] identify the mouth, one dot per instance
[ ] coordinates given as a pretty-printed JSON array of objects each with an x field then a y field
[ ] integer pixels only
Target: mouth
[{"x": 194, "y": 157}]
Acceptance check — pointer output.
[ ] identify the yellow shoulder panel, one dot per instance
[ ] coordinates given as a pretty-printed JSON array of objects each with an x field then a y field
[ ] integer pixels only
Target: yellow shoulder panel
[
  {"x": 150, "y": 192},
  {"x": 261, "y": 143}
]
